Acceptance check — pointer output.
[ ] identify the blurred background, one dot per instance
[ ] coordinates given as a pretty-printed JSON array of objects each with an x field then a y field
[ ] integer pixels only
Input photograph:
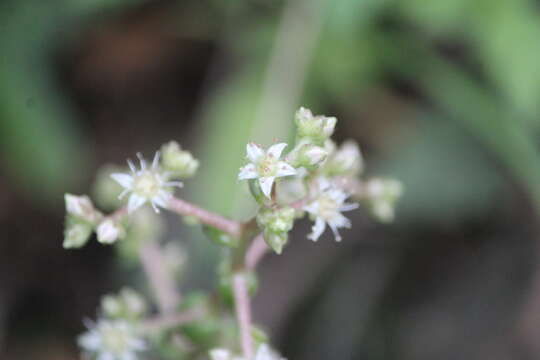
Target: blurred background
[{"x": 443, "y": 95}]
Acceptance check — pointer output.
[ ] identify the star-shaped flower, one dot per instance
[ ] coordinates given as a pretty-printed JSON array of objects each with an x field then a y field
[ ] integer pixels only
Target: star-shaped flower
[
  {"x": 326, "y": 208},
  {"x": 146, "y": 185},
  {"x": 112, "y": 340},
  {"x": 265, "y": 166}
]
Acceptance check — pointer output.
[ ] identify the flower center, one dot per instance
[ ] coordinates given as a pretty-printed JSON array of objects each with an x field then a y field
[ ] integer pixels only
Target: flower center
[
  {"x": 147, "y": 184},
  {"x": 327, "y": 207},
  {"x": 115, "y": 340},
  {"x": 267, "y": 167}
]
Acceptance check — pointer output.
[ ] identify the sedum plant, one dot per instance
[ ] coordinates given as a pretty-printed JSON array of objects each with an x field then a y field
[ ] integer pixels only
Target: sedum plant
[{"x": 315, "y": 178}]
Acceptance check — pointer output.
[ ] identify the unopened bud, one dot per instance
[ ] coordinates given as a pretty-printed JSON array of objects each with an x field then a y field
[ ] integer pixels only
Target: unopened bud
[
  {"x": 314, "y": 128},
  {"x": 76, "y": 235},
  {"x": 81, "y": 207},
  {"x": 382, "y": 195},
  {"x": 307, "y": 155},
  {"x": 276, "y": 241},
  {"x": 109, "y": 232},
  {"x": 179, "y": 162},
  {"x": 276, "y": 220},
  {"x": 347, "y": 160}
]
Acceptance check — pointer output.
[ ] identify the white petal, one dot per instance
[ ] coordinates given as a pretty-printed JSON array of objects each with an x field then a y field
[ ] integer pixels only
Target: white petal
[
  {"x": 312, "y": 208},
  {"x": 276, "y": 150},
  {"x": 338, "y": 220},
  {"x": 135, "y": 201},
  {"x": 131, "y": 166},
  {"x": 336, "y": 232},
  {"x": 284, "y": 169},
  {"x": 263, "y": 353},
  {"x": 89, "y": 341},
  {"x": 317, "y": 229},
  {"x": 162, "y": 199},
  {"x": 254, "y": 152},
  {"x": 125, "y": 180},
  {"x": 247, "y": 172},
  {"x": 348, "y": 206},
  {"x": 266, "y": 185},
  {"x": 142, "y": 161},
  {"x": 155, "y": 162}
]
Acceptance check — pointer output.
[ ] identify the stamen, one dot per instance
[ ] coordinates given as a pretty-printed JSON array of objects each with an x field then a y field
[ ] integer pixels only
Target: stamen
[
  {"x": 155, "y": 162},
  {"x": 155, "y": 208},
  {"x": 142, "y": 161},
  {"x": 178, "y": 184},
  {"x": 131, "y": 166}
]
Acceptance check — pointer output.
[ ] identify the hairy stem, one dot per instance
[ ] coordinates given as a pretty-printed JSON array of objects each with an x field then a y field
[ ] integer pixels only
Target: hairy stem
[{"x": 256, "y": 252}]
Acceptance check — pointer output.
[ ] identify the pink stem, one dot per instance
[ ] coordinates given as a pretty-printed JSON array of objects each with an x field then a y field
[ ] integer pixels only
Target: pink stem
[
  {"x": 159, "y": 277},
  {"x": 256, "y": 252},
  {"x": 185, "y": 208},
  {"x": 243, "y": 313}
]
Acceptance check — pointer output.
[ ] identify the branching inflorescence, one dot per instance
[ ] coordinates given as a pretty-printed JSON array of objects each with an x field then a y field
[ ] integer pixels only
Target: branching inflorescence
[{"x": 315, "y": 178}]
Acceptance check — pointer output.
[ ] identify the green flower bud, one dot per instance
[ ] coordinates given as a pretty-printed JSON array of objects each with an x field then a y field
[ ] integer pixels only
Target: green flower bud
[
  {"x": 276, "y": 241},
  {"x": 315, "y": 129},
  {"x": 179, "y": 162},
  {"x": 128, "y": 304},
  {"x": 76, "y": 234},
  {"x": 276, "y": 220},
  {"x": 307, "y": 155}
]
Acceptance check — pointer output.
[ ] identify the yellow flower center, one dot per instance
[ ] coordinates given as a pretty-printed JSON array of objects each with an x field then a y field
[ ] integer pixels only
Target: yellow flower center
[{"x": 147, "y": 184}]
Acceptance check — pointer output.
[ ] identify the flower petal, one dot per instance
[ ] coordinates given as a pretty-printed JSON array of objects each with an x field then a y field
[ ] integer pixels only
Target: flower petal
[
  {"x": 155, "y": 162},
  {"x": 264, "y": 353},
  {"x": 247, "y": 172},
  {"x": 124, "y": 180},
  {"x": 336, "y": 232},
  {"x": 135, "y": 201},
  {"x": 317, "y": 229},
  {"x": 284, "y": 169},
  {"x": 276, "y": 150},
  {"x": 266, "y": 185},
  {"x": 348, "y": 206},
  {"x": 254, "y": 152},
  {"x": 162, "y": 199}
]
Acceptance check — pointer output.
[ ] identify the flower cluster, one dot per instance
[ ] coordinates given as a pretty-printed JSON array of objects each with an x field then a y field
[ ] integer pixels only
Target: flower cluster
[
  {"x": 313, "y": 178},
  {"x": 316, "y": 177}
]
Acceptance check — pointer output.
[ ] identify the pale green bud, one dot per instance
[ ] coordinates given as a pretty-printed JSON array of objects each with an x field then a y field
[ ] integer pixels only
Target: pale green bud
[
  {"x": 276, "y": 220},
  {"x": 82, "y": 208},
  {"x": 314, "y": 128},
  {"x": 111, "y": 306},
  {"x": 347, "y": 160},
  {"x": 179, "y": 162},
  {"x": 109, "y": 231},
  {"x": 276, "y": 241},
  {"x": 127, "y": 304},
  {"x": 307, "y": 155},
  {"x": 76, "y": 234}
]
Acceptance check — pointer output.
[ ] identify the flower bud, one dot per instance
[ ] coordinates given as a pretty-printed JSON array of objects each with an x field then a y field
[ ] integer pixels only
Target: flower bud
[
  {"x": 382, "y": 195},
  {"x": 314, "y": 128},
  {"x": 179, "y": 162},
  {"x": 275, "y": 240},
  {"x": 81, "y": 207},
  {"x": 76, "y": 235},
  {"x": 127, "y": 304},
  {"x": 307, "y": 155},
  {"x": 109, "y": 232},
  {"x": 276, "y": 220},
  {"x": 347, "y": 160}
]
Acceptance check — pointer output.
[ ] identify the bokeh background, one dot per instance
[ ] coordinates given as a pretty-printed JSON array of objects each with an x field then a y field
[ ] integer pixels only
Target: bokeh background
[{"x": 443, "y": 95}]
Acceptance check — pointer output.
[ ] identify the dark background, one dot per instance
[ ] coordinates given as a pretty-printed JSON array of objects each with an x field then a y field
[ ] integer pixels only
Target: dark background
[{"x": 443, "y": 95}]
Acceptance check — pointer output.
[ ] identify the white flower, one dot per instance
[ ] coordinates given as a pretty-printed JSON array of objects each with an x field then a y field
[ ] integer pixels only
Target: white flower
[
  {"x": 112, "y": 340},
  {"x": 263, "y": 353},
  {"x": 145, "y": 185},
  {"x": 346, "y": 160},
  {"x": 265, "y": 166},
  {"x": 326, "y": 208},
  {"x": 108, "y": 232}
]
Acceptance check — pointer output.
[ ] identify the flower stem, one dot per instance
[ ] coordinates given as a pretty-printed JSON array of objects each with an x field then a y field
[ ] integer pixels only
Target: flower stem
[
  {"x": 243, "y": 313},
  {"x": 182, "y": 207}
]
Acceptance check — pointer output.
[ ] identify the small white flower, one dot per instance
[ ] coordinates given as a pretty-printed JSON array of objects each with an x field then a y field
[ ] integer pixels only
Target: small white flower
[
  {"x": 108, "y": 232},
  {"x": 112, "y": 340},
  {"x": 326, "y": 208},
  {"x": 265, "y": 166},
  {"x": 346, "y": 160},
  {"x": 263, "y": 353},
  {"x": 146, "y": 185}
]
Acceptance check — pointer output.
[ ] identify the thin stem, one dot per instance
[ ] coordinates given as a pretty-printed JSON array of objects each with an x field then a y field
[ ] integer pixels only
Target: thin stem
[
  {"x": 171, "y": 320},
  {"x": 243, "y": 313},
  {"x": 182, "y": 207},
  {"x": 159, "y": 277},
  {"x": 256, "y": 252}
]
